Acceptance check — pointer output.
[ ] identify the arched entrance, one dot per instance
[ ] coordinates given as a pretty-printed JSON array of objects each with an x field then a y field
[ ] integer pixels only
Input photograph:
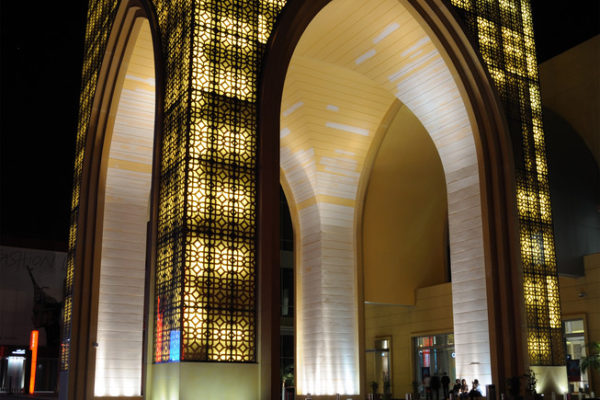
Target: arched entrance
[
  {"x": 430, "y": 68},
  {"x": 125, "y": 217},
  {"x": 117, "y": 210}
]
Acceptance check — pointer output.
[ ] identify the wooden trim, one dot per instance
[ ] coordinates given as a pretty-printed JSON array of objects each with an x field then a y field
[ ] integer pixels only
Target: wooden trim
[
  {"x": 105, "y": 130},
  {"x": 89, "y": 235},
  {"x": 152, "y": 234},
  {"x": 496, "y": 165},
  {"x": 291, "y": 24},
  {"x": 296, "y": 253},
  {"x": 82, "y": 353}
]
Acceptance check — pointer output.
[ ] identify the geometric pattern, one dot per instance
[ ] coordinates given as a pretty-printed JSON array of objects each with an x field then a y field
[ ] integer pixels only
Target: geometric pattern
[
  {"x": 205, "y": 278},
  {"x": 502, "y": 31},
  {"x": 205, "y": 282},
  {"x": 206, "y": 262},
  {"x": 219, "y": 263}
]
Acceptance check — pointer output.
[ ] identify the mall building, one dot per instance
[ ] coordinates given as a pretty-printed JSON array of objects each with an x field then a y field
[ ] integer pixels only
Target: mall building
[{"x": 408, "y": 141}]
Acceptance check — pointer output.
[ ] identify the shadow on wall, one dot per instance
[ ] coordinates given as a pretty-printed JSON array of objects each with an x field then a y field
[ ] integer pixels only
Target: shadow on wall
[{"x": 575, "y": 190}]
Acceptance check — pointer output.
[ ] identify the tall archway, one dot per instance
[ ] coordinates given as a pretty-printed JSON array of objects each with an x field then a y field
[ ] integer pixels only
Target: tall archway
[
  {"x": 126, "y": 213},
  {"x": 477, "y": 188},
  {"x": 109, "y": 337}
]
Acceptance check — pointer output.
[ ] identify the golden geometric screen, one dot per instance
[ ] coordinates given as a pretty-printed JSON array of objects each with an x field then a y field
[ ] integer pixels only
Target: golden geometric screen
[
  {"x": 503, "y": 32},
  {"x": 206, "y": 271},
  {"x": 205, "y": 278}
]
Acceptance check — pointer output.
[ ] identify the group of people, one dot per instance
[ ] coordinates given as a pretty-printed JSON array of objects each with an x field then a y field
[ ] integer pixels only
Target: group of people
[
  {"x": 433, "y": 384},
  {"x": 461, "y": 389}
]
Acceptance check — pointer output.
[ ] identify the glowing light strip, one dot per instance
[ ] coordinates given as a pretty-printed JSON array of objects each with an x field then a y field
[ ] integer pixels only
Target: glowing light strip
[
  {"x": 347, "y": 128},
  {"x": 159, "y": 332},
  {"x": 174, "y": 345},
  {"x": 293, "y": 108},
  {"x": 33, "y": 346},
  {"x": 386, "y": 32},
  {"x": 364, "y": 57}
]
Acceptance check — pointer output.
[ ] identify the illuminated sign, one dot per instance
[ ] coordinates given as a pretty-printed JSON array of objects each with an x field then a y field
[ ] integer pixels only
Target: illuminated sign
[
  {"x": 33, "y": 346},
  {"x": 426, "y": 358},
  {"x": 174, "y": 345}
]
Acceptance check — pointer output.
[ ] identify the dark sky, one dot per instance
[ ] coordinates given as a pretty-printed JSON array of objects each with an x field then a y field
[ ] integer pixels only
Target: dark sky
[
  {"x": 41, "y": 56},
  {"x": 42, "y": 52},
  {"x": 560, "y": 25}
]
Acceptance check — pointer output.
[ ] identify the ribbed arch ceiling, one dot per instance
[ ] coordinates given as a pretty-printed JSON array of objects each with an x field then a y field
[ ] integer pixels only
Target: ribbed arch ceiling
[
  {"x": 329, "y": 120},
  {"x": 353, "y": 61}
]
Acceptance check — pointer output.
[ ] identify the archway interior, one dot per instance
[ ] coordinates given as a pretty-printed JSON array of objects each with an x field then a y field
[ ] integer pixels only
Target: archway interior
[
  {"x": 355, "y": 59},
  {"x": 126, "y": 213},
  {"x": 408, "y": 320}
]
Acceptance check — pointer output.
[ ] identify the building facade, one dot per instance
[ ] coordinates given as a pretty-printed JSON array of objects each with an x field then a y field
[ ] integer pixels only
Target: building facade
[{"x": 193, "y": 112}]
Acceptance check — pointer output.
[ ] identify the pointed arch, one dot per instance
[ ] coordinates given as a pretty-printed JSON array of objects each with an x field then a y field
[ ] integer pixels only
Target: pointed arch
[
  {"x": 490, "y": 141},
  {"x": 87, "y": 296}
]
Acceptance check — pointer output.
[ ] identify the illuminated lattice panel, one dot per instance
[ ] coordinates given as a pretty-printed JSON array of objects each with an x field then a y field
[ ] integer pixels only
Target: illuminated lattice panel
[
  {"x": 503, "y": 33},
  {"x": 170, "y": 240},
  {"x": 175, "y": 23},
  {"x": 543, "y": 317},
  {"x": 219, "y": 301},
  {"x": 100, "y": 16},
  {"x": 219, "y": 125},
  {"x": 168, "y": 278}
]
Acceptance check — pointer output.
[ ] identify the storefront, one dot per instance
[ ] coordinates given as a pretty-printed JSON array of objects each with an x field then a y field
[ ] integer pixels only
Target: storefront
[
  {"x": 13, "y": 368},
  {"x": 434, "y": 355}
]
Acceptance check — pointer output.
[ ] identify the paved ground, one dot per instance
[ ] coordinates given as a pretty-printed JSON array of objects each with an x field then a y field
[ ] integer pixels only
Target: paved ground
[{"x": 41, "y": 396}]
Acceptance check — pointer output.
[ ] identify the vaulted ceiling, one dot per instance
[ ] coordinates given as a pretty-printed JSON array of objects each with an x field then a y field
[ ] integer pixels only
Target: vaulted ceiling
[
  {"x": 355, "y": 60},
  {"x": 347, "y": 70}
]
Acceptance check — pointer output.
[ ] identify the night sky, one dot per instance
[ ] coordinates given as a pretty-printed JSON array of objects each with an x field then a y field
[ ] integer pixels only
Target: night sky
[{"x": 41, "y": 57}]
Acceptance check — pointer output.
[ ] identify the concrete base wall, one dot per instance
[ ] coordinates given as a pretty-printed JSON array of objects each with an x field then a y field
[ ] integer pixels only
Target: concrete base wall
[
  {"x": 192, "y": 381},
  {"x": 551, "y": 380}
]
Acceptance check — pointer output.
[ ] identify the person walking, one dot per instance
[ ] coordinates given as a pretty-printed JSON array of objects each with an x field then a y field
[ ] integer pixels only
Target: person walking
[
  {"x": 427, "y": 387},
  {"x": 435, "y": 386},
  {"x": 445, "y": 384}
]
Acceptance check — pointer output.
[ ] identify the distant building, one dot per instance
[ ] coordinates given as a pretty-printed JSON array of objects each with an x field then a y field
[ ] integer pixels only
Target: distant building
[{"x": 31, "y": 294}]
